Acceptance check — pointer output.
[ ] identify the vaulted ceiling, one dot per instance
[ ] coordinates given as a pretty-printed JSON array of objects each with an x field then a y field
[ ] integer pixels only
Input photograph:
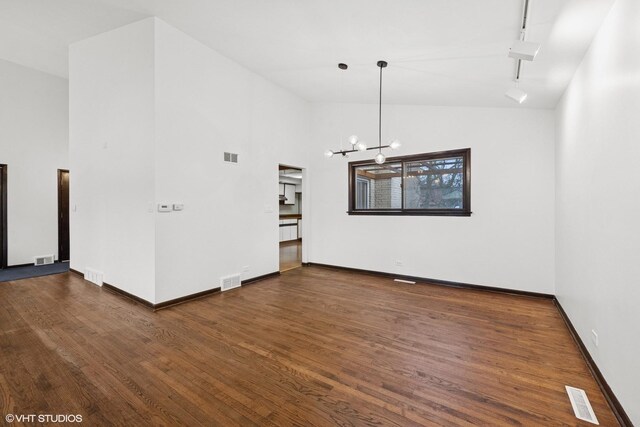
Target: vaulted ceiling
[{"x": 440, "y": 52}]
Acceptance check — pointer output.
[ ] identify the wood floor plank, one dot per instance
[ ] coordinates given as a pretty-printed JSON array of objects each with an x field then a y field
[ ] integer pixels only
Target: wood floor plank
[{"x": 314, "y": 346}]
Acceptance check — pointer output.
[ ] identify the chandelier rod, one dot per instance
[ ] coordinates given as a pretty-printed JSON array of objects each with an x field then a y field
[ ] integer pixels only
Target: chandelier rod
[
  {"x": 381, "y": 64},
  {"x": 380, "y": 113}
]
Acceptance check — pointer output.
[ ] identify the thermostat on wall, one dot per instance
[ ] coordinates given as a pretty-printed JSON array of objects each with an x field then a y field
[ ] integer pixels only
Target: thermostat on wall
[
  {"x": 178, "y": 206},
  {"x": 164, "y": 207}
]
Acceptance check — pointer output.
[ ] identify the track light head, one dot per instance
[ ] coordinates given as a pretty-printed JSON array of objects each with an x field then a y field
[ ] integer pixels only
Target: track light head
[
  {"x": 523, "y": 50},
  {"x": 516, "y": 95}
]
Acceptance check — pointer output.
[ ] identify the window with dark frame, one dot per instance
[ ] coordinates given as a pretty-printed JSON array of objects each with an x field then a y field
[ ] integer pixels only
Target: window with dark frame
[{"x": 422, "y": 184}]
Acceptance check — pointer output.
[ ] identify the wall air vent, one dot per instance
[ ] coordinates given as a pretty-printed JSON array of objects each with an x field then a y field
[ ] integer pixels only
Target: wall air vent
[
  {"x": 231, "y": 157},
  {"x": 581, "y": 406},
  {"x": 230, "y": 282},
  {"x": 43, "y": 260}
]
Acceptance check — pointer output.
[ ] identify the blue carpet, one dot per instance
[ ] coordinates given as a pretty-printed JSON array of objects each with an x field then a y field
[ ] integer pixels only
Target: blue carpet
[{"x": 17, "y": 273}]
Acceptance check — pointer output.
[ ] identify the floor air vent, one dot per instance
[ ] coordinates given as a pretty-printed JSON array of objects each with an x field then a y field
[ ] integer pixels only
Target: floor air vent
[
  {"x": 229, "y": 282},
  {"x": 411, "y": 282},
  {"x": 581, "y": 406},
  {"x": 43, "y": 260},
  {"x": 93, "y": 276}
]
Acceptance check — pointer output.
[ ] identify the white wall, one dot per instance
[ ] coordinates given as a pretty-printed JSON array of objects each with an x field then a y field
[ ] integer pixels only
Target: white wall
[
  {"x": 152, "y": 112},
  {"x": 597, "y": 205},
  {"x": 507, "y": 242},
  {"x": 111, "y": 122},
  {"x": 34, "y": 144},
  {"x": 206, "y": 105}
]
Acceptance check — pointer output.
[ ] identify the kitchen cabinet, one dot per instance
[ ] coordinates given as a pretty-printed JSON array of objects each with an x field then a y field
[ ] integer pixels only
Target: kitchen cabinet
[
  {"x": 288, "y": 229},
  {"x": 289, "y": 194}
]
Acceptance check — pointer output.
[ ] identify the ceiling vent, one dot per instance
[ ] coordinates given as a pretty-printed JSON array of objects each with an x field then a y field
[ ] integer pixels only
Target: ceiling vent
[
  {"x": 230, "y": 282},
  {"x": 43, "y": 260},
  {"x": 581, "y": 406},
  {"x": 230, "y": 157}
]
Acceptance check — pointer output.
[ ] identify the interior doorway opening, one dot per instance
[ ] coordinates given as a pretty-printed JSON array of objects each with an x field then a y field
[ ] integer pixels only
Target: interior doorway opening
[
  {"x": 63, "y": 215},
  {"x": 290, "y": 218}
]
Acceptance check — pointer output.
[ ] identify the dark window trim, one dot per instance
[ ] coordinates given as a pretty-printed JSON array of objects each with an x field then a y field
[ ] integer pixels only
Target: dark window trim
[
  {"x": 465, "y": 153},
  {"x": 3, "y": 218}
]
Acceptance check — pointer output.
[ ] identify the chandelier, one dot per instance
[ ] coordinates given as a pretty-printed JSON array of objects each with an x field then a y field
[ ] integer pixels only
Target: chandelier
[{"x": 356, "y": 144}]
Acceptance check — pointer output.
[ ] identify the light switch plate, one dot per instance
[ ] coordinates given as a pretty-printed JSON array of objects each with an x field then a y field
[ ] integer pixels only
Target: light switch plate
[
  {"x": 178, "y": 206},
  {"x": 164, "y": 207}
]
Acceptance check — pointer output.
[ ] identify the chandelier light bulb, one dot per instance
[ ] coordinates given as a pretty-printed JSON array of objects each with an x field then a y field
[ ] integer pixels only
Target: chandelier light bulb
[
  {"x": 328, "y": 153},
  {"x": 395, "y": 144},
  {"x": 353, "y": 139},
  {"x": 380, "y": 158},
  {"x": 361, "y": 146}
]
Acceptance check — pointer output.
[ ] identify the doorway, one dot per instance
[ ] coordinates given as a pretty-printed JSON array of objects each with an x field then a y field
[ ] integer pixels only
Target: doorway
[
  {"x": 63, "y": 215},
  {"x": 3, "y": 216},
  {"x": 290, "y": 218}
]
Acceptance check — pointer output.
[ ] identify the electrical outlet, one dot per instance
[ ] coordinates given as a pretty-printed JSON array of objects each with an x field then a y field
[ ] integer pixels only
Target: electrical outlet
[
  {"x": 245, "y": 269},
  {"x": 398, "y": 263},
  {"x": 594, "y": 337}
]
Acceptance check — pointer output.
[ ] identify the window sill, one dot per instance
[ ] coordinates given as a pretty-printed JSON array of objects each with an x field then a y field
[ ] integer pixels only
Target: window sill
[{"x": 411, "y": 213}]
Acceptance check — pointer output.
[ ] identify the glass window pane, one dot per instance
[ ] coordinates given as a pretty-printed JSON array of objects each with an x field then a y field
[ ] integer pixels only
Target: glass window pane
[
  {"x": 379, "y": 186},
  {"x": 362, "y": 193},
  {"x": 434, "y": 184}
]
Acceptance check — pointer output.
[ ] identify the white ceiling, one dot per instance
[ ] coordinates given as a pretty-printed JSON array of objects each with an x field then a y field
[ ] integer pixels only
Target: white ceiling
[{"x": 440, "y": 52}]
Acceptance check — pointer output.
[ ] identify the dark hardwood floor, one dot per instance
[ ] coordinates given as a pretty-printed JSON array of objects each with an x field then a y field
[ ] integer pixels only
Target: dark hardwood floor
[
  {"x": 290, "y": 255},
  {"x": 313, "y": 346}
]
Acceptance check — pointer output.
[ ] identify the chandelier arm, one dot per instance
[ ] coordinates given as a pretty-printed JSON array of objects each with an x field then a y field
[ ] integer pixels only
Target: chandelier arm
[{"x": 354, "y": 151}]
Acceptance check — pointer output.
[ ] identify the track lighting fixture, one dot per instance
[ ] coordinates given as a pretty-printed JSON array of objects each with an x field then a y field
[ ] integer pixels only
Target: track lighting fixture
[{"x": 522, "y": 50}]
